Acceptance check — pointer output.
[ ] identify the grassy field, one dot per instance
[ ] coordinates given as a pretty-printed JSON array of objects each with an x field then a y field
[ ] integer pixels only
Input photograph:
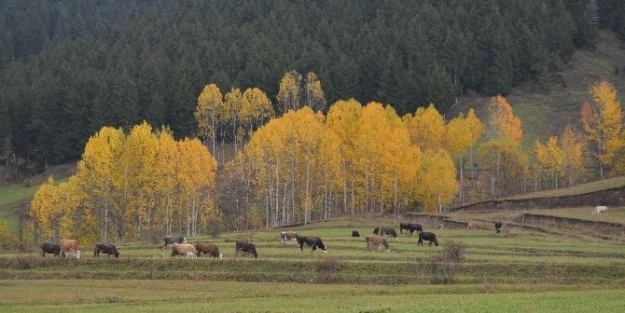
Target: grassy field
[{"x": 514, "y": 271}]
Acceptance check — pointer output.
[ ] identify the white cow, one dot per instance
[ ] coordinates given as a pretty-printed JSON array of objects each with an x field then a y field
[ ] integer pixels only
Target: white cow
[{"x": 599, "y": 209}]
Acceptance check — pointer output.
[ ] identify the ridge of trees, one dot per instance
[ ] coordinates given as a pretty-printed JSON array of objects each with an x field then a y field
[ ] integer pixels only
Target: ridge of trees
[
  {"x": 306, "y": 165},
  {"x": 69, "y": 68}
]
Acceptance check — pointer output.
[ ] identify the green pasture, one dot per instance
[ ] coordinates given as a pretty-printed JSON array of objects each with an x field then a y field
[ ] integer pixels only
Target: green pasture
[
  {"x": 219, "y": 296},
  {"x": 514, "y": 271}
]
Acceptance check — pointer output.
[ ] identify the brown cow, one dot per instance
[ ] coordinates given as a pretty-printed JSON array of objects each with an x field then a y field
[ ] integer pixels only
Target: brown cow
[
  {"x": 472, "y": 225},
  {"x": 70, "y": 244},
  {"x": 377, "y": 241},
  {"x": 183, "y": 249},
  {"x": 288, "y": 236},
  {"x": 208, "y": 248}
]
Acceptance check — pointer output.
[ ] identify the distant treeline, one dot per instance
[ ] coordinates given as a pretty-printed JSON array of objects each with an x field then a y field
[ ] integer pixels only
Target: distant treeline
[{"x": 69, "y": 67}]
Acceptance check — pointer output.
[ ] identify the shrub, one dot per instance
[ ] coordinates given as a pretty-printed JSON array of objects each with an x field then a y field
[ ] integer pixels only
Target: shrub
[
  {"x": 444, "y": 265},
  {"x": 326, "y": 269}
]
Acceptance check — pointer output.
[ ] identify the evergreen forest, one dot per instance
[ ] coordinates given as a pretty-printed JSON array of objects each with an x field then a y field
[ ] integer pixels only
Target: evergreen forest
[{"x": 70, "y": 67}]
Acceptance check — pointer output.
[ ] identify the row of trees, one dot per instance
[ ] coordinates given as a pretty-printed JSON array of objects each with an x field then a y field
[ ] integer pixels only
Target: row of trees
[
  {"x": 69, "y": 68},
  {"x": 305, "y": 166},
  {"x": 130, "y": 186}
]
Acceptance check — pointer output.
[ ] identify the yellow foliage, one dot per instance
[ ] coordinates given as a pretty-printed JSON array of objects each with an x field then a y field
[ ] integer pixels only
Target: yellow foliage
[
  {"x": 603, "y": 123},
  {"x": 502, "y": 123},
  {"x": 427, "y": 128}
]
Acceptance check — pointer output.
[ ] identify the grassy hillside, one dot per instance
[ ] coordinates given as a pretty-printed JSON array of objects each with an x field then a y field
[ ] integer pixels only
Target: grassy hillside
[{"x": 547, "y": 114}]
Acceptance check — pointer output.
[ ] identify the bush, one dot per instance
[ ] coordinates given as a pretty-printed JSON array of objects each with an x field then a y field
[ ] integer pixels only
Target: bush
[
  {"x": 326, "y": 269},
  {"x": 444, "y": 266}
]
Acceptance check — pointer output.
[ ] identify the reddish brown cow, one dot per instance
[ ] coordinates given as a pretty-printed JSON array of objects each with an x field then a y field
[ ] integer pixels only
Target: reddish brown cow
[
  {"x": 70, "y": 244},
  {"x": 375, "y": 240},
  {"x": 208, "y": 248},
  {"x": 288, "y": 236}
]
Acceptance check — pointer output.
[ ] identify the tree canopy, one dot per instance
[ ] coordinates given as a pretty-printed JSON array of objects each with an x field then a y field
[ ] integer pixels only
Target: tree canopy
[{"x": 69, "y": 68}]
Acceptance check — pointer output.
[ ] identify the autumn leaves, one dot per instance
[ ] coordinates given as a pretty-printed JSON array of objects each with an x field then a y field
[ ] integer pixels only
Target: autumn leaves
[
  {"x": 129, "y": 187},
  {"x": 306, "y": 165}
]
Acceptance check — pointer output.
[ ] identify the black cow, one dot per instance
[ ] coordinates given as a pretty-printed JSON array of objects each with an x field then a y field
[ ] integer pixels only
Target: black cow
[
  {"x": 403, "y": 226},
  {"x": 51, "y": 248},
  {"x": 388, "y": 231},
  {"x": 313, "y": 241},
  {"x": 376, "y": 231},
  {"x": 427, "y": 236},
  {"x": 245, "y": 247},
  {"x": 415, "y": 227},
  {"x": 355, "y": 233},
  {"x": 105, "y": 248},
  {"x": 173, "y": 239},
  {"x": 498, "y": 225}
]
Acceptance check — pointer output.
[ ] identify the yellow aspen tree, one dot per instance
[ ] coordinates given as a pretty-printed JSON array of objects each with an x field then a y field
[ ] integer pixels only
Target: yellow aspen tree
[
  {"x": 436, "y": 180},
  {"x": 551, "y": 159},
  {"x": 538, "y": 167},
  {"x": 426, "y": 128},
  {"x": 371, "y": 151},
  {"x": 603, "y": 122},
  {"x": 233, "y": 104},
  {"x": 266, "y": 151},
  {"x": 502, "y": 123},
  {"x": 196, "y": 174},
  {"x": 572, "y": 146},
  {"x": 289, "y": 93},
  {"x": 308, "y": 136},
  {"x": 167, "y": 158},
  {"x": 46, "y": 210},
  {"x": 476, "y": 128},
  {"x": 208, "y": 112},
  {"x": 96, "y": 172},
  {"x": 81, "y": 217},
  {"x": 459, "y": 140},
  {"x": 330, "y": 166},
  {"x": 402, "y": 163},
  {"x": 509, "y": 166},
  {"x": 256, "y": 109},
  {"x": 141, "y": 149},
  {"x": 313, "y": 94},
  {"x": 342, "y": 119}
]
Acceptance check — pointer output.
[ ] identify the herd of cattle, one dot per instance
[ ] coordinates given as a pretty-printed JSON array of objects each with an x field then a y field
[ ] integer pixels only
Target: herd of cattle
[{"x": 180, "y": 246}]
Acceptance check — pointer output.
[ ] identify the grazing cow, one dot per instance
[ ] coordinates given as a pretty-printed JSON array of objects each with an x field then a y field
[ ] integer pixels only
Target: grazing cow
[
  {"x": 105, "y": 248},
  {"x": 288, "y": 236},
  {"x": 183, "y": 249},
  {"x": 427, "y": 236},
  {"x": 388, "y": 231},
  {"x": 355, "y": 233},
  {"x": 378, "y": 241},
  {"x": 472, "y": 225},
  {"x": 403, "y": 226},
  {"x": 498, "y": 225},
  {"x": 376, "y": 231},
  {"x": 51, "y": 248},
  {"x": 415, "y": 227},
  {"x": 173, "y": 239},
  {"x": 245, "y": 247},
  {"x": 70, "y": 244},
  {"x": 313, "y": 241},
  {"x": 208, "y": 248},
  {"x": 599, "y": 209}
]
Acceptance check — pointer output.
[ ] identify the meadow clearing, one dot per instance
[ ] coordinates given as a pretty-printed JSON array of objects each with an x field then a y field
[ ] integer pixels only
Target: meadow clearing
[{"x": 518, "y": 270}]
